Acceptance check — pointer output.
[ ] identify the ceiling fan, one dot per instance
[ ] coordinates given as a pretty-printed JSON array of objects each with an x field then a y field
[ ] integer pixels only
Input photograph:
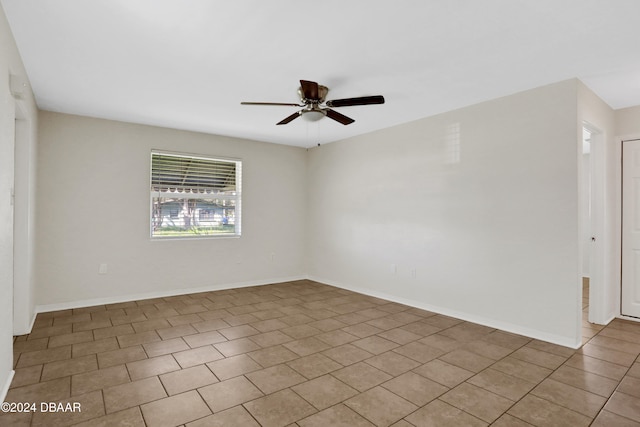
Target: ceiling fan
[{"x": 312, "y": 96}]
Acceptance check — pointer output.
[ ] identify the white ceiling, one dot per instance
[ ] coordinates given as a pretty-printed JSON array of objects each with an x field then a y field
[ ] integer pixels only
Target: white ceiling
[{"x": 188, "y": 64}]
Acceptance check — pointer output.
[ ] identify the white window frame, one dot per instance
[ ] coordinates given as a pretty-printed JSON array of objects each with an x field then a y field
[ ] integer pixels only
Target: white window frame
[{"x": 235, "y": 196}]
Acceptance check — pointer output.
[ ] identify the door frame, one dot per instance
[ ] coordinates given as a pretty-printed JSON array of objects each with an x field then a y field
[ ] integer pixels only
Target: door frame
[{"x": 618, "y": 216}]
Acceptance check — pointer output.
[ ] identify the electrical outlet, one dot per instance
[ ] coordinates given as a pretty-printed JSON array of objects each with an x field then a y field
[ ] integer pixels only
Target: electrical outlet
[
  {"x": 394, "y": 269},
  {"x": 273, "y": 256},
  {"x": 102, "y": 269},
  {"x": 413, "y": 273}
]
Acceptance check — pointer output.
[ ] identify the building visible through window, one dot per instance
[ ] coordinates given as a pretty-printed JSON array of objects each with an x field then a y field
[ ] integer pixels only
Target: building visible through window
[{"x": 194, "y": 196}]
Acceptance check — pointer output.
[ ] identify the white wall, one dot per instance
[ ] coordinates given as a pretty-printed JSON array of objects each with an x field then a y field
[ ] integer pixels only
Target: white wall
[
  {"x": 627, "y": 121},
  {"x": 10, "y": 64},
  {"x": 93, "y": 208},
  {"x": 491, "y": 238}
]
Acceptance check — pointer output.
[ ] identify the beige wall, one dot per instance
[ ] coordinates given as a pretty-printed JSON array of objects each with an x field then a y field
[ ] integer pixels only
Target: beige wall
[
  {"x": 490, "y": 236},
  {"x": 10, "y": 108},
  {"x": 628, "y": 121},
  {"x": 93, "y": 208}
]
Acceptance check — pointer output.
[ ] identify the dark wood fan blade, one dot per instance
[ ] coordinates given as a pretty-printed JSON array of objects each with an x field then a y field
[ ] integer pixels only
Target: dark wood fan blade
[
  {"x": 310, "y": 89},
  {"x": 339, "y": 117},
  {"x": 363, "y": 100},
  {"x": 290, "y": 118},
  {"x": 272, "y": 103}
]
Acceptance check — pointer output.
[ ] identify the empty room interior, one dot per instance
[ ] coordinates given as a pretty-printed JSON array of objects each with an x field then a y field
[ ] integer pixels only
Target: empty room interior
[{"x": 356, "y": 213}]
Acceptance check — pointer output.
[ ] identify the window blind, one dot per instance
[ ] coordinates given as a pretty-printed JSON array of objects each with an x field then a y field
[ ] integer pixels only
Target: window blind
[{"x": 187, "y": 174}]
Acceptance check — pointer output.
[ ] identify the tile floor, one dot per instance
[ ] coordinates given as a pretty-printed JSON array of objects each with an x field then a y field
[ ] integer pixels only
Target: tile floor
[{"x": 306, "y": 354}]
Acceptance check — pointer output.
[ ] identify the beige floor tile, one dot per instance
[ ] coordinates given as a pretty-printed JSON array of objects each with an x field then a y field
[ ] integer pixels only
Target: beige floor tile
[
  {"x": 607, "y": 354},
  {"x": 233, "y": 366},
  {"x": 197, "y": 356},
  {"x": 633, "y": 347},
  {"x": 521, "y": 369},
  {"x": 415, "y": 388},
  {"x": 538, "y": 357},
  {"x": 541, "y": 412},
  {"x": 488, "y": 350},
  {"x": 399, "y": 336},
  {"x": 392, "y": 363},
  {"x": 210, "y": 325},
  {"x": 361, "y": 376},
  {"x": 112, "y": 331},
  {"x": 240, "y": 331},
  {"x": 301, "y": 331},
  {"x": 96, "y": 380},
  {"x": 137, "y": 339},
  {"x": 50, "y": 331},
  {"x": 236, "y": 347},
  {"x": 597, "y": 366},
  {"x": 441, "y": 342},
  {"x": 46, "y": 391},
  {"x": 72, "y": 338},
  {"x": 477, "y": 401},
  {"x": 279, "y": 409},
  {"x": 131, "y": 417},
  {"x": 26, "y": 376},
  {"x": 585, "y": 380},
  {"x": 337, "y": 338},
  {"x": 64, "y": 368},
  {"x": 40, "y": 357},
  {"x": 336, "y": 416},
  {"x": 507, "y": 420},
  {"x": 268, "y": 339},
  {"x": 160, "y": 348},
  {"x": 380, "y": 406},
  {"x": 30, "y": 345},
  {"x": 362, "y": 330},
  {"x": 506, "y": 339},
  {"x": 151, "y": 367},
  {"x": 184, "y": 319},
  {"x": 624, "y": 405},
  {"x": 570, "y": 397},
  {"x": 275, "y": 378},
  {"x": 204, "y": 338},
  {"x": 502, "y": 384},
  {"x": 150, "y": 325},
  {"x": 90, "y": 406},
  {"x": 324, "y": 391},
  {"x": 609, "y": 419},
  {"x": 559, "y": 350},
  {"x": 306, "y": 346},
  {"x": 234, "y": 417},
  {"x": 176, "y": 331},
  {"x": 94, "y": 347},
  {"x": 229, "y": 393},
  {"x": 273, "y": 355},
  {"x": 314, "y": 365},
  {"x": 467, "y": 360},
  {"x": 296, "y": 341},
  {"x": 187, "y": 379},
  {"x": 121, "y": 356},
  {"x": 441, "y": 414},
  {"x": 175, "y": 410},
  {"x": 269, "y": 325},
  {"x": 119, "y": 397},
  {"x": 444, "y": 373}
]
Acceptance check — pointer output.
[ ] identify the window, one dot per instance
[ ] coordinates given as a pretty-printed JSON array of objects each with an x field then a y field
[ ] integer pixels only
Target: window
[{"x": 194, "y": 196}]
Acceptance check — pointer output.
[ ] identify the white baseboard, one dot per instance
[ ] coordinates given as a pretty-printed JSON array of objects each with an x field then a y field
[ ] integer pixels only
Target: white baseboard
[
  {"x": 44, "y": 308},
  {"x": 7, "y": 384},
  {"x": 492, "y": 323}
]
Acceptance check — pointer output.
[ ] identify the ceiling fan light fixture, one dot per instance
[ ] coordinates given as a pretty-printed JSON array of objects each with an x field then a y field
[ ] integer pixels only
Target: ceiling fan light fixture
[{"x": 312, "y": 115}]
